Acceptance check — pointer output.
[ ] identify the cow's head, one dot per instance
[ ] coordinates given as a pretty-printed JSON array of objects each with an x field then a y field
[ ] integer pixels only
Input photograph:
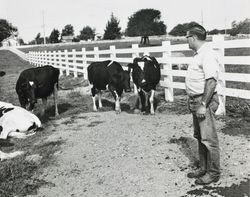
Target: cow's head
[
  {"x": 137, "y": 73},
  {"x": 2, "y": 73},
  {"x": 26, "y": 94}
]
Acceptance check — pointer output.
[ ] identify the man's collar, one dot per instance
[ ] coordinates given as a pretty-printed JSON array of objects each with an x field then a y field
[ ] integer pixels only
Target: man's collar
[{"x": 202, "y": 47}]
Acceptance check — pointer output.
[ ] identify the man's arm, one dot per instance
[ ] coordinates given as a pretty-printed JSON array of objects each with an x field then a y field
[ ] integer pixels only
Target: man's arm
[{"x": 210, "y": 86}]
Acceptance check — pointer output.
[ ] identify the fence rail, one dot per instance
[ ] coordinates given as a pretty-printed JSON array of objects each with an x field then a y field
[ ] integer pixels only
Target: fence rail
[{"x": 76, "y": 62}]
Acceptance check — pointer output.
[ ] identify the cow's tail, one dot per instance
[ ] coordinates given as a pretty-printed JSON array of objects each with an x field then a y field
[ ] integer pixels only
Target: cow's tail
[{"x": 89, "y": 69}]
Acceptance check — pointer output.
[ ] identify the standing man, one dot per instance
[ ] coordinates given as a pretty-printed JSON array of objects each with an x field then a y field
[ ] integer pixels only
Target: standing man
[{"x": 201, "y": 81}]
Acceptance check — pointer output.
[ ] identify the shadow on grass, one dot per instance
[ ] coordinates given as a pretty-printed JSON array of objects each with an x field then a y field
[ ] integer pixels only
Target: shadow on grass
[{"x": 18, "y": 176}]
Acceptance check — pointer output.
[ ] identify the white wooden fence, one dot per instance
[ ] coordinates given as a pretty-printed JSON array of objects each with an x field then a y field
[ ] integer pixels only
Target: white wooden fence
[{"x": 77, "y": 61}]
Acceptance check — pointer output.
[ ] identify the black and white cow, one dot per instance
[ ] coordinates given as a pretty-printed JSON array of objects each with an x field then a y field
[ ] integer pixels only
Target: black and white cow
[
  {"x": 146, "y": 76},
  {"x": 108, "y": 73},
  {"x": 16, "y": 122},
  {"x": 35, "y": 83}
]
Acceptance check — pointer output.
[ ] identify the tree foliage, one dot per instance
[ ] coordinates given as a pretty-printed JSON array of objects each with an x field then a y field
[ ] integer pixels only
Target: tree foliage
[
  {"x": 39, "y": 40},
  {"x": 87, "y": 33},
  {"x": 145, "y": 22},
  {"x": 112, "y": 31},
  {"x": 68, "y": 30},
  {"x": 6, "y": 29},
  {"x": 242, "y": 27},
  {"x": 181, "y": 29},
  {"x": 54, "y": 36}
]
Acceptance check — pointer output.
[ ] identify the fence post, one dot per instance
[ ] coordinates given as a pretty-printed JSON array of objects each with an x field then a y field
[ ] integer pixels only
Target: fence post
[
  {"x": 112, "y": 52},
  {"x": 60, "y": 62},
  {"x": 66, "y": 61},
  {"x": 29, "y": 57},
  {"x": 166, "y": 55},
  {"x": 135, "y": 54},
  {"x": 49, "y": 58},
  {"x": 218, "y": 45},
  {"x": 84, "y": 62},
  {"x": 37, "y": 59},
  {"x": 74, "y": 62},
  {"x": 96, "y": 54},
  {"x": 43, "y": 58},
  {"x": 54, "y": 59}
]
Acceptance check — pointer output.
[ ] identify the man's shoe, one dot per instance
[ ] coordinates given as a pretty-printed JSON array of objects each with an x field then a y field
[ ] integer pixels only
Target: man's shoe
[
  {"x": 207, "y": 179},
  {"x": 196, "y": 174}
]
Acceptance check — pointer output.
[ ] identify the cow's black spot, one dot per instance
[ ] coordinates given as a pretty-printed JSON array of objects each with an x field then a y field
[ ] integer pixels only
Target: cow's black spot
[
  {"x": 4, "y": 110},
  {"x": 1, "y": 128},
  {"x": 32, "y": 126},
  {"x": 8, "y": 109}
]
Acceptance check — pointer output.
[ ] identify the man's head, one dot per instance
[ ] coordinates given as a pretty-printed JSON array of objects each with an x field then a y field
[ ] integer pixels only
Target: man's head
[{"x": 196, "y": 35}]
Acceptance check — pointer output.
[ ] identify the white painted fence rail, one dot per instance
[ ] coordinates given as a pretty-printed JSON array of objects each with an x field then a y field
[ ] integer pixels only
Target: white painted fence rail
[{"x": 76, "y": 62}]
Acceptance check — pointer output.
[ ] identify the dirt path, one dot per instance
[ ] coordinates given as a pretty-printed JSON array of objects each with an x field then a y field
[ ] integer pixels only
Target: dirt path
[{"x": 105, "y": 154}]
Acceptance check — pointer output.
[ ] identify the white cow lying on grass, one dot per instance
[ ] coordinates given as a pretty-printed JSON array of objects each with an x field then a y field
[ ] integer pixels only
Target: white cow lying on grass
[{"x": 16, "y": 122}]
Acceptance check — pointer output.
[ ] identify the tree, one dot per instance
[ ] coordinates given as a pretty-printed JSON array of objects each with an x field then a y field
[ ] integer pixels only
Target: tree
[
  {"x": 6, "y": 29},
  {"x": 68, "y": 30},
  {"x": 112, "y": 31},
  {"x": 242, "y": 27},
  {"x": 21, "y": 42},
  {"x": 181, "y": 29},
  {"x": 87, "y": 33},
  {"x": 54, "y": 36},
  {"x": 39, "y": 40},
  {"x": 144, "y": 23}
]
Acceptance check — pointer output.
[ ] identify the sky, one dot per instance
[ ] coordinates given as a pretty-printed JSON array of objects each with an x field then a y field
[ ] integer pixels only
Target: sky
[{"x": 27, "y": 15}]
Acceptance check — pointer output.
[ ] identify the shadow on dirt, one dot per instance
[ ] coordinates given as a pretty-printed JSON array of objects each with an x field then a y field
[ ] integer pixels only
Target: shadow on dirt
[
  {"x": 50, "y": 112},
  {"x": 241, "y": 190},
  {"x": 189, "y": 147}
]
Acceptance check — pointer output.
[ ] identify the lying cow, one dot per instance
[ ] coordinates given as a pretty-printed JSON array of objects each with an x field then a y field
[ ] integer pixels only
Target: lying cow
[
  {"x": 111, "y": 74},
  {"x": 16, "y": 122},
  {"x": 146, "y": 77},
  {"x": 35, "y": 83}
]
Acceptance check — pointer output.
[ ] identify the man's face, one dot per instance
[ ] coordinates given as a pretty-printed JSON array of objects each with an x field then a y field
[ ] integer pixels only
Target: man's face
[{"x": 190, "y": 40}]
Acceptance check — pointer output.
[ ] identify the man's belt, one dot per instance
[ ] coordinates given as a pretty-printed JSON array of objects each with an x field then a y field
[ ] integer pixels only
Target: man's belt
[{"x": 199, "y": 95}]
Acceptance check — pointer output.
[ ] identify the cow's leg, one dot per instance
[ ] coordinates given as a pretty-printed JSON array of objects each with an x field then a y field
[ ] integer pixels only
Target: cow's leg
[
  {"x": 55, "y": 99},
  {"x": 142, "y": 100},
  {"x": 117, "y": 99},
  {"x": 100, "y": 99},
  {"x": 117, "y": 103},
  {"x": 44, "y": 107},
  {"x": 135, "y": 90},
  {"x": 93, "y": 91},
  {"x": 20, "y": 135},
  {"x": 151, "y": 100},
  {"x": 4, "y": 156},
  {"x": 146, "y": 99}
]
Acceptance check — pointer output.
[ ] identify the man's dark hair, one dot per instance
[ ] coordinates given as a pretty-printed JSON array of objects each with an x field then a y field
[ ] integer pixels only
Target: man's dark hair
[{"x": 198, "y": 31}]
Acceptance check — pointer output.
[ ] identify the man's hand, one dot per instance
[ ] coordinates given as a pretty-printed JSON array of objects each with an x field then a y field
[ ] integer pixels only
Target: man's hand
[{"x": 200, "y": 112}]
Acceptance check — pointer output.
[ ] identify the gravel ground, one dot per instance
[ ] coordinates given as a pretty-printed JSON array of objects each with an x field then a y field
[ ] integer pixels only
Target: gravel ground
[{"x": 105, "y": 154}]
